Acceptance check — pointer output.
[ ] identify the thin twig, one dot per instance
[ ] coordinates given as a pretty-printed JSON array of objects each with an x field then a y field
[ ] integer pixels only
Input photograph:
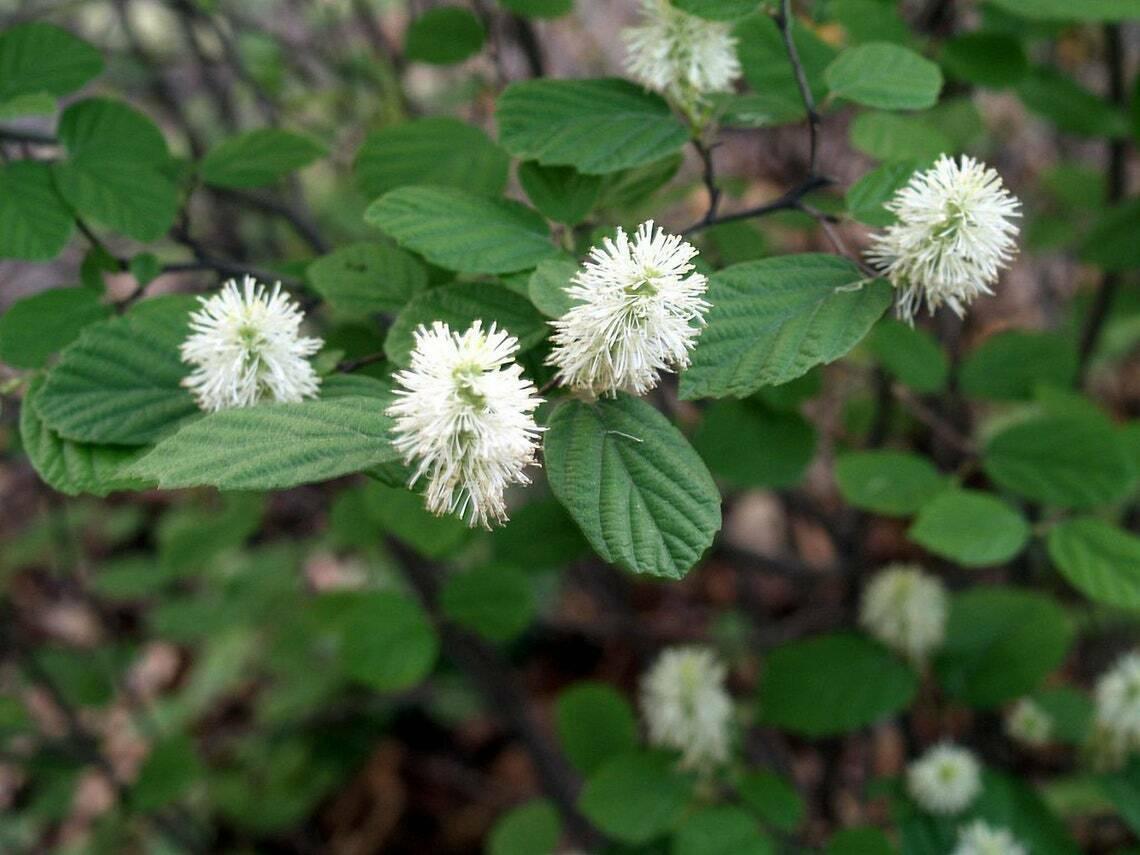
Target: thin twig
[
  {"x": 790, "y": 201},
  {"x": 708, "y": 175},
  {"x": 784, "y": 21},
  {"x": 347, "y": 366}
]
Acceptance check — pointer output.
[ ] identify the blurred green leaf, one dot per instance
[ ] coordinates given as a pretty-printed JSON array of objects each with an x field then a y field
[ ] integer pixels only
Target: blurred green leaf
[
  {"x": 891, "y": 483},
  {"x": 444, "y": 35},
  {"x": 970, "y": 527},
  {"x": 259, "y": 157},
  {"x": 1099, "y": 559},
  {"x": 750, "y": 445},
  {"x": 721, "y": 830},
  {"x": 532, "y": 828},
  {"x": 595, "y": 724},
  {"x": 34, "y": 328},
  {"x": 772, "y": 799},
  {"x": 493, "y": 600},
  {"x": 38, "y": 57},
  {"x": 35, "y": 222},
  {"x": 560, "y": 192},
  {"x": 366, "y": 278},
  {"x": 635, "y": 797},
  {"x": 1011, "y": 365},
  {"x": 886, "y": 76},
  {"x": 866, "y": 197},
  {"x": 987, "y": 59},
  {"x": 912, "y": 355}
]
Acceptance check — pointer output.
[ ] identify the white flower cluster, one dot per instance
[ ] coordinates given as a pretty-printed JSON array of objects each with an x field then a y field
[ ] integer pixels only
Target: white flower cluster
[
  {"x": 638, "y": 311},
  {"x": 680, "y": 55},
  {"x": 245, "y": 346},
  {"x": 1029, "y": 724},
  {"x": 1117, "y": 701},
  {"x": 945, "y": 780},
  {"x": 954, "y": 235},
  {"x": 465, "y": 415},
  {"x": 906, "y": 610},
  {"x": 980, "y": 838},
  {"x": 686, "y": 706}
]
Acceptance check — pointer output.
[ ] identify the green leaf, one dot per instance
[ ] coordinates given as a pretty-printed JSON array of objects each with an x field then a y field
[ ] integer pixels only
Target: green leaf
[
  {"x": 459, "y": 305},
  {"x": 35, "y": 222},
  {"x": 749, "y": 444},
  {"x": 439, "y": 150},
  {"x": 890, "y": 136},
  {"x": 595, "y": 126},
  {"x": 1071, "y": 711},
  {"x": 401, "y": 513},
  {"x": 885, "y": 75},
  {"x": 1063, "y": 10},
  {"x": 771, "y": 320},
  {"x": 860, "y": 841},
  {"x": 1070, "y": 106},
  {"x": 764, "y": 61},
  {"x": 595, "y": 724},
  {"x": 170, "y": 770},
  {"x": 635, "y": 797},
  {"x": 1099, "y": 559},
  {"x": 273, "y": 446},
  {"x": 970, "y": 527},
  {"x": 1123, "y": 789},
  {"x": 987, "y": 59},
  {"x": 772, "y": 799},
  {"x": 912, "y": 355},
  {"x": 717, "y": 10},
  {"x": 367, "y": 278},
  {"x": 444, "y": 36},
  {"x": 462, "y": 232},
  {"x": 560, "y": 192},
  {"x": 37, "y": 57},
  {"x": 1064, "y": 461},
  {"x": 494, "y": 601},
  {"x": 721, "y": 830},
  {"x": 1000, "y": 644},
  {"x": 1010, "y": 366},
  {"x": 70, "y": 467},
  {"x": 541, "y": 536},
  {"x": 547, "y": 286},
  {"x": 833, "y": 684},
  {"x": 37, "y": 104},
  {"x": 866, "y": 197},
  {"x": 386, "y": 640},
  {"x": 1008, "y": 802},
  {"x": 891, "y": 483},
  {"x": 34, "y": 328},
  {"x": 532, "y": 828},
  {"x": 634, "y": 485},
  {"x": 120, "y": 381},
  {"x": 114, "y": 173},
  {"x": 257, "y": 158},
  {"x": 539, "y": 8},
  {"x": 1112, "y": 243},
  {"x": 630, "y": 187},
  {"x": 870, "y": 21}
]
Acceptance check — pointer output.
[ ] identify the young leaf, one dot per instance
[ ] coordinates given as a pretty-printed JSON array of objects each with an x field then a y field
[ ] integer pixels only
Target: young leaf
[
  {"x": 1000, "y": 644},
  {"x": 1099, "y": 559},
  {"x": 634, "y": 485},
  {"x": 35, "y": 222},
  {"x": 833, "y": 684},
  {"x": 595, "y": 126},
  {"x": 595, "y": 724},
  {"x": 37, "y": 326},
  {"x": 1064, "y": 461},
  {"x": 891, "y": 483},
  {"x": 635, "y": 797},
  {"x": 444, "y": 36},
  {"x": 773, "y": 319},
  {"x": 366, "y": 278},
  {"x": 38, "y": 57},
  {"x": 885, "y": 75},
  {"x": 970, "y": 527},
  {"x": 439, "y": 151},
  {"x": 120, "y": 381},
  {"x": 462, "y": 232},
  {"x": 257, "y": 158}
]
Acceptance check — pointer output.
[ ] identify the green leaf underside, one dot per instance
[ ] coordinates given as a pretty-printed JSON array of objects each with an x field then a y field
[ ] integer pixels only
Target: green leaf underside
[
  {"x": 119, "y": 382},
  {"x": 273, "y": 446},
  {"x": 596, "y": 126},
  {"x": 833, "y": 684},
  {"x": 439, "y": 151},
  {"x": 772, "y": 320},
  {"x": 1099, "y": 559},
  {"x": 1000, "y": 644},
  {"x": 1064, "y": 461},
  {"x": 459, "y": 305},
  {"x": 885, "y": 75},
  {"x": 70, "y": 467},
  {"x": 970, "y": 527},
  {"x": 365, "y": 278},
  {"x": 634, "y": 485},
  {"x": 462, "y": 232}
]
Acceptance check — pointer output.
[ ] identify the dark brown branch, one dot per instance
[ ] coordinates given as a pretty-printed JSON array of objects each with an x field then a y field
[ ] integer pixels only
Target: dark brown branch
[
  {"x": 708, "y": 175},
  {"x": 347, "y": 366},
  {"x": 790, "y": 201},
  {"x": 297, "y": 219},
  {"x": 784, "y": 20}
]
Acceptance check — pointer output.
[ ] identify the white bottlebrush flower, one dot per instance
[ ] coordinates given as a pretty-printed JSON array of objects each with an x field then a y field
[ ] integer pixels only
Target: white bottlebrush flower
[
  {"x": 945, "y": 779},
  {"x": 638, "y": 309},
  {"x": 465, "y": 415},
  {"x": 686, "y": 706},
  {"x": 1029, "y": 724},
  {"x": 680, "y": 55},
  {"x": 954, "y": 236},
  {"x": 245, "y": 346},
  {"x": 905, "y": 609},
  {"x": 1117, "y": 697},
  {"x": 980, "y": 838}
]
